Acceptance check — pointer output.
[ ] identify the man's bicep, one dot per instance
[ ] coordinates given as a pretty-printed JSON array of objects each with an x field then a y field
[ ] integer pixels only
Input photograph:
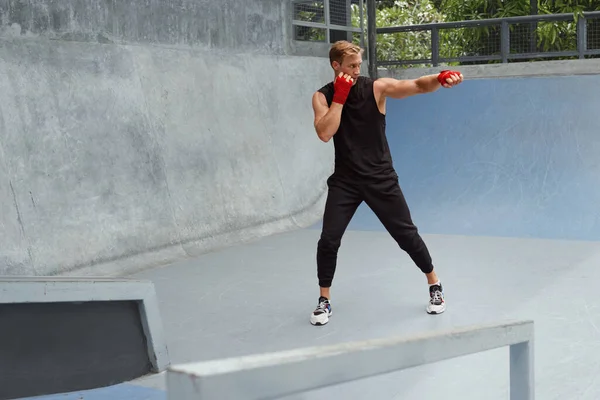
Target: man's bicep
[{"x": 320, "y": 107}]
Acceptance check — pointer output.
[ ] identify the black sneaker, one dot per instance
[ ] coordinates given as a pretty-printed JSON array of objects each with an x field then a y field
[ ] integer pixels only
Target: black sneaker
[
  {"x": 437, "y": 304},
  {"x": 322, "y": 313}
]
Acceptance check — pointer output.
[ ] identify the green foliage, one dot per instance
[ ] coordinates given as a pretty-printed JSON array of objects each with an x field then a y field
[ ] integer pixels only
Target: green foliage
[
  {"x": 459, "y": 10},
  {"x": 404, "y": 45},
  {"x": 525, "y": 37}
]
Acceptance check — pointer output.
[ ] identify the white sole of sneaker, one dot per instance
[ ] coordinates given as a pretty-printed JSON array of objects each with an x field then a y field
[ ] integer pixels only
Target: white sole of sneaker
[
  {"x": 436, "y": 310},
  {"x": 321, "y": 320}
]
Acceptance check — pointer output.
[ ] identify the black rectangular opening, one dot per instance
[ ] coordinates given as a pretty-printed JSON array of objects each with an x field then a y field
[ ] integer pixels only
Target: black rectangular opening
[{"x": 57, "y": 347}]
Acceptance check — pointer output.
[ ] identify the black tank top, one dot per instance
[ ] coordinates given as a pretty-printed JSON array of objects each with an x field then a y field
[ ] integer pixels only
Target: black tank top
[{"x": 362, "y": 153}]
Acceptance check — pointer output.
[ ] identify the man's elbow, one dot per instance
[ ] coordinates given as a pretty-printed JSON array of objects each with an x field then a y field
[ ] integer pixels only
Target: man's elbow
[
  {"x": 323, "y": 136},
  {"x": 322, "y": 133}
]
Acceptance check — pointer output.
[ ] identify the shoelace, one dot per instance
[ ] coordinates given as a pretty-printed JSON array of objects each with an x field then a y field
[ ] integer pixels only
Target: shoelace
[{"x": 437, "y": 297}]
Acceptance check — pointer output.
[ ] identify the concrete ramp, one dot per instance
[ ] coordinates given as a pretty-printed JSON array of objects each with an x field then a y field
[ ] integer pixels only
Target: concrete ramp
[
  {"x": 118, "y": 154},
  {"x": 513, "y": 157}
]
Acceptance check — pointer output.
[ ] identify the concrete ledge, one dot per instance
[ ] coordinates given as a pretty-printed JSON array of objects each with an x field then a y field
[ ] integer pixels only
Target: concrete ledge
[
  {"x": 509, "y": 70},
  {"x": 274, "y": 375},
  {"x": 72, "y": 289},
  {"x": 93, "y": 331}
]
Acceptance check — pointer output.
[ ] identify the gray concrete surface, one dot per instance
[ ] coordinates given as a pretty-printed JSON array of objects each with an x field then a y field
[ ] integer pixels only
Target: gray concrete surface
[
  {"x": 257, "y": 297},
  {"x": 274, "y": 375},
  {"x": 149, "y": 148},
  {"x": 235, "y": 25}
]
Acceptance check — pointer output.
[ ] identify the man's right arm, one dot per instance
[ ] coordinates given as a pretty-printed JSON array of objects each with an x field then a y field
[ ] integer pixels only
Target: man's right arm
[{"x": 327, "y": 119}]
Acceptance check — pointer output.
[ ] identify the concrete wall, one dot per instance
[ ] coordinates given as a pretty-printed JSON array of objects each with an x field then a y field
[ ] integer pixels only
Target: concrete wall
[
  {"x": 256, "y": 25},
  {"x": 138, "y": 133}
]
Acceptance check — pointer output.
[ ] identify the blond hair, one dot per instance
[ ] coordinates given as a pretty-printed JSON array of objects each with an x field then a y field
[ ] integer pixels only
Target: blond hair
[{"x": 342, "y": 48}]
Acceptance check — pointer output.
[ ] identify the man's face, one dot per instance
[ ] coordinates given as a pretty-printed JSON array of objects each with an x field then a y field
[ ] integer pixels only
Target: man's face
[{"x": 350, "y": 65}]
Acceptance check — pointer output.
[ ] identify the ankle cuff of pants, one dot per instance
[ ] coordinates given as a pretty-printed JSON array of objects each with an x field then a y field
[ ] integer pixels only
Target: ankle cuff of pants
[
  {"x": 427, "y": 270},
  {"x": 325, "y": 283}
]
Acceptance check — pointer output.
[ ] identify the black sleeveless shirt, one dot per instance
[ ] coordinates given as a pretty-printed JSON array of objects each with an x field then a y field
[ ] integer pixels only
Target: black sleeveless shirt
[{"x": 362, "y": 153}]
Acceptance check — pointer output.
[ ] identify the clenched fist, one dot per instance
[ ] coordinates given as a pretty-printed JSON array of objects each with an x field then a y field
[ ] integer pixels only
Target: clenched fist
[
  {"x": 341, "y": 88},
  {"x": 449, "y": 79}
]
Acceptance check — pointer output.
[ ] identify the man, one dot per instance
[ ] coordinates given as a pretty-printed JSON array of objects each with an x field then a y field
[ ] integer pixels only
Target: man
[{"x": 351, "y": 110}]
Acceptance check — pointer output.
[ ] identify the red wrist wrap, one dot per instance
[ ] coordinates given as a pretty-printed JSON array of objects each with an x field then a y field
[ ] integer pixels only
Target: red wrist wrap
[
  {"x": 341, "y": 89},
  {"x": 445, "y": 74}
]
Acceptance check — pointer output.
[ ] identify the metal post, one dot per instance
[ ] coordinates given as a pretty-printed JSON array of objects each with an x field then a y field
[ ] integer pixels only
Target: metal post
[
  {"x": 522, "y": 382},
  {"x": 327, "y": 21},
  {"x": 533, "y": 27},
  {"x": 372, "y": 38},
  {"x": 350, "y": 35},
  {"x": 581, "y": 36},
  {"x": 504, "y": 41},
  {"x": 362, "y": 23},
  {"x": 435, "y": 46}
]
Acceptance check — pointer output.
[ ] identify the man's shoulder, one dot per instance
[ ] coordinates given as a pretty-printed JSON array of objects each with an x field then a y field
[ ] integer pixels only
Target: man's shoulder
[
  {"x": 328, "y": 87},
  {"x": 366, "y": 83},
  {"x": 327, "y": 91},
  {"x": 366, "y": 80}
]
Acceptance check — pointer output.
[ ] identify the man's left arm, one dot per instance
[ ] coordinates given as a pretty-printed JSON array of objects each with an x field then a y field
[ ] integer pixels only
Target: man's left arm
[{"x": 400, "y": 88}]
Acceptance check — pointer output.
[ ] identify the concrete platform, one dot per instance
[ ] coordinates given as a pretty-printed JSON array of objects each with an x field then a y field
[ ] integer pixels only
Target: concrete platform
[{"x": 257, "y": 298}]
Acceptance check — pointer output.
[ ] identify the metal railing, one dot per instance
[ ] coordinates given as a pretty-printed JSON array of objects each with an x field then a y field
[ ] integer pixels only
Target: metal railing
[
  {"x": 275, "y": 375},
  {"x": 498, "y": 39}
]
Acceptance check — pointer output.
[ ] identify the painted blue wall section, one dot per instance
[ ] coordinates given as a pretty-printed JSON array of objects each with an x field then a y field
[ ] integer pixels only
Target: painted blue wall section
[
  {"x": 117, "y": 392},
  {"x": 502, "y": 157}
]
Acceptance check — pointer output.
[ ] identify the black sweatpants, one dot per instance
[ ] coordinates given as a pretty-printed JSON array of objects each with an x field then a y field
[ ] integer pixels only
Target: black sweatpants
[{"x": 387, "y": 201}]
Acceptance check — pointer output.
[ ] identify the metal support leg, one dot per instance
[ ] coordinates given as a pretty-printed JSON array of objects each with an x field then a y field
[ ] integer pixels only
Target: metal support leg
[{"x": 522, "y": 382}]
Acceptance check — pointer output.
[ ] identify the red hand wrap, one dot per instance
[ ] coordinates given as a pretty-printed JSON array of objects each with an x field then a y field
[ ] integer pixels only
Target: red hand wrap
[
  {"x": 445, "y": 75},
  {"x": 341, "y": 89}
]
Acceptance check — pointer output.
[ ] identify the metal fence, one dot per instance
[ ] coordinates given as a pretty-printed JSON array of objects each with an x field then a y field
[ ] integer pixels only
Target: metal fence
[
  {"x": 485, "y": 41},
  {"x": 328, "y": 20},
  {"x": 495, "y": 40}
]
